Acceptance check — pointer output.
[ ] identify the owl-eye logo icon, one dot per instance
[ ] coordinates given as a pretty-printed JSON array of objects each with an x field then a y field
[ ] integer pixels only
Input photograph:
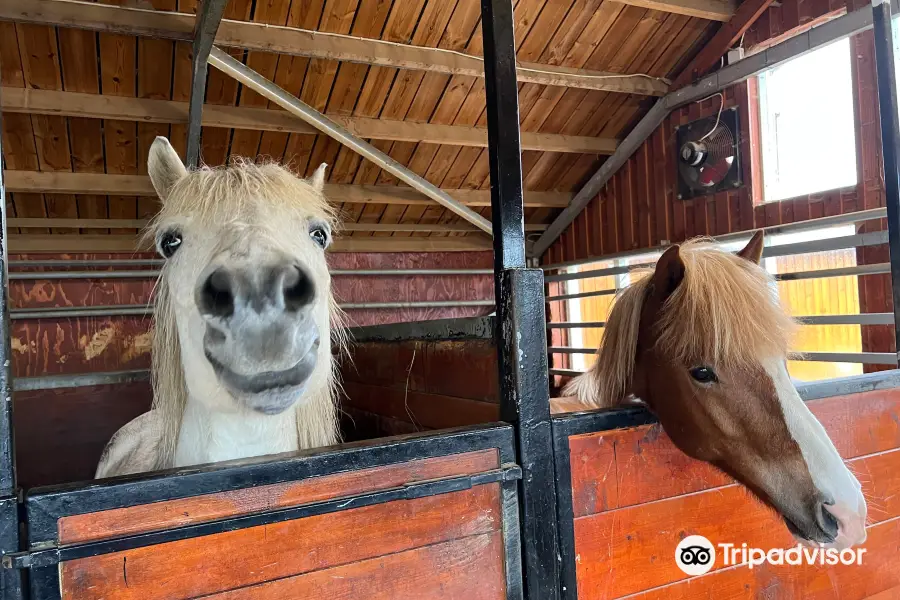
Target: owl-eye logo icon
[{"x": 695, "y": 555}]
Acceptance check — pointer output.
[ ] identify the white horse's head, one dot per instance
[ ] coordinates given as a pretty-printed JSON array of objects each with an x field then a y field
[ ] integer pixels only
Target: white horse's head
[{"x": 245, "y": 294}]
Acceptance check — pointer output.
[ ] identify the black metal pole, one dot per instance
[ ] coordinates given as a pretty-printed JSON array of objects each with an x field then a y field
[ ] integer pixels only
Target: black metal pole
[
  {"x": 10, "y": 580},
  {"x": 521, "y": 327},
  {"x": 209, "y": 15},
  {"x": 890, "y": 143}
]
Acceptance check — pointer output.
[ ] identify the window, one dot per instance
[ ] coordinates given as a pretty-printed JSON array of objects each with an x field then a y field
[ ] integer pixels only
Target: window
[{"x": 807, "y": 133}]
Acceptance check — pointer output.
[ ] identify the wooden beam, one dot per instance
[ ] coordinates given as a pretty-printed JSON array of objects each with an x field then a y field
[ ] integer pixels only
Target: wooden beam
[
  {"x": 712, "y": 10},
  {"x": 94, "y": 106},
  {"x": 301, "y": 42},
  {"x": 48, "y": 222},
  {"x": 139, "y": 185},
  {"x": 22, "y": 244},
  {"x": 726, "y": 37}
]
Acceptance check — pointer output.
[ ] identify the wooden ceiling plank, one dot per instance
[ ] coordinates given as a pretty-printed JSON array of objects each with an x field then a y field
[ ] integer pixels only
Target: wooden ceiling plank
[
  {"x": 27, "y": 243},
  {"x": 36, "y": 182},
  {"x": 712, "y": 10},
  {"x": 40, "y": 65},
  {"x": 76, "y": 223},
  {"x": 80, "y": 74},
  {"x": 118, "y": 62},
  {"x": 18, "y": 134}
]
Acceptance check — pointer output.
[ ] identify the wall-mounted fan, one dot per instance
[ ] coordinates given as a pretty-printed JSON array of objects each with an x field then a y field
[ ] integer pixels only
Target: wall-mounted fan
[{"x": 708, "y": 155}]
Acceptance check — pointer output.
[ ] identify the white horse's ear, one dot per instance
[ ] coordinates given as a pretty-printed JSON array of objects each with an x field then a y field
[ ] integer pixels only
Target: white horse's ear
[
  {"x": 164, "y": 166},
  {"x": 318, "y": 178},
  {"x": 754, "y": 248}
]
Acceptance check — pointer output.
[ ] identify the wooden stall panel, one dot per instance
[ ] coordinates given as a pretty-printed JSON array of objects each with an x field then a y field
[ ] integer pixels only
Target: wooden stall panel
[
  {"x": 635, "y": 496},
  {"x": 626, "y": 467},
  {"x": 431, "y": 540},
  {"x": 185, "y": 511}
]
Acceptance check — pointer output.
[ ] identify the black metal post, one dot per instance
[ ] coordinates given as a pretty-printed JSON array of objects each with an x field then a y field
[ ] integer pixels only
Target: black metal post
[
  {"x": 521, "y": 327},
  {"x": 10, "y": 580},
  {"x": 890, "y": 142},
  {"x": 209, "y": 15}
]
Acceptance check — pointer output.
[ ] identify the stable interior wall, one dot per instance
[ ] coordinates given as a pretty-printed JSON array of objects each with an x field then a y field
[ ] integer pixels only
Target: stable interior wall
[{"x": 61, "y": 433}]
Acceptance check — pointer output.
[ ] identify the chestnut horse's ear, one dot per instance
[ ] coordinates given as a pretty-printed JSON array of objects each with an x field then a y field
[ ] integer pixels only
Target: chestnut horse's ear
[
  {"x": 164, "y": 166},
  {"x": 754, "y": 248},
  {"x": 668, "y": 275}
]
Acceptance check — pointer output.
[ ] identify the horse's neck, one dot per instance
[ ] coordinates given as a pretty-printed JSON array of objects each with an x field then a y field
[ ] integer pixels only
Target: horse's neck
[{"x": 207, "y": 435}]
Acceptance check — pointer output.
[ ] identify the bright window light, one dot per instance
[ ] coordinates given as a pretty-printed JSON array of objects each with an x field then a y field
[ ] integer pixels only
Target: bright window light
[{"x": 807, "y": 130}]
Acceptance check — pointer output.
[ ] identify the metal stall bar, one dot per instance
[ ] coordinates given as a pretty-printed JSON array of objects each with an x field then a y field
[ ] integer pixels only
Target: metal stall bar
[
  {"x": 521, "y": 327},
  {"x": 205, "y": 28},
  {"x": 259, "y": 84},
  {"x": 153, "y": 274},
  {"x": 11, "y": 587},
  {"x": 890, "y": 143}
]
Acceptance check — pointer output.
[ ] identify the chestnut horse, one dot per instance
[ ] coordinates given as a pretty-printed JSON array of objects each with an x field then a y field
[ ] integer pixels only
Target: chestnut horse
[{"x": 703, "y": 342}]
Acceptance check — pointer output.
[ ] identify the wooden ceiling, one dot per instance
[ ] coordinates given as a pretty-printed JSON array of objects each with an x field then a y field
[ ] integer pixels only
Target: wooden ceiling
[{"x": 81, "y": 107}]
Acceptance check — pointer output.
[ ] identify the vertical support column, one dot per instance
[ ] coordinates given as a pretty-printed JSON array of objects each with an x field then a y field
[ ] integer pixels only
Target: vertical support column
[
  {"x": 10, "y": 579},
  {"x": 890, "y": 142},
  {"x": 209, "y": 15},
  {"x": 521, "y": 327}
]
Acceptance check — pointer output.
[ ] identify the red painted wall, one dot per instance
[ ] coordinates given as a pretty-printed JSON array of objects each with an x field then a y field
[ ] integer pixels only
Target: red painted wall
[{"x": 638, "y": 209}]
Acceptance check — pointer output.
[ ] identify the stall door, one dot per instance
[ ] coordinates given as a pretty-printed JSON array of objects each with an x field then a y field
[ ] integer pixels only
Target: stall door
[{"x": 415, "y": 517}]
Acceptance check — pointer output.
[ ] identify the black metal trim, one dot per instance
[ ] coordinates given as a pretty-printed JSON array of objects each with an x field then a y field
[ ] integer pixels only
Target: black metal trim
[
  {"x": 512, "y": 544},
  {"x": 890, "y": 143},
  {"x": 50, "y": 556},
  {"x": 7, "y": 448},
  {"x": 568, "y": 576},
  {"x": 209, "y": 15},
  {"x": 45, "y": 506},
  {"x": 437, "y": 330}
]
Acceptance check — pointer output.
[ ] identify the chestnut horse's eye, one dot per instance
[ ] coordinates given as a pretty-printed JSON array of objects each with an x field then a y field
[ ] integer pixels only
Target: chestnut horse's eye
[
  {"x": 704, "y": 375},
  {"x": 169, "y": 243}
]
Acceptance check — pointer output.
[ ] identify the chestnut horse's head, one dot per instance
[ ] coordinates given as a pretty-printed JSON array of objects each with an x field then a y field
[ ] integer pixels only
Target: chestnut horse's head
[{"x": 703, "y": 341}]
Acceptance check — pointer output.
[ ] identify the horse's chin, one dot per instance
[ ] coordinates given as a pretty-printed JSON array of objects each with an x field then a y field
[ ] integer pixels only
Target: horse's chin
[{"x": 268, "y": 392}]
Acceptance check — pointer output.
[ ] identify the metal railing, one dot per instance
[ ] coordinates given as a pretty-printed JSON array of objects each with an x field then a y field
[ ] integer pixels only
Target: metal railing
[{"x": 557, "y": 274}]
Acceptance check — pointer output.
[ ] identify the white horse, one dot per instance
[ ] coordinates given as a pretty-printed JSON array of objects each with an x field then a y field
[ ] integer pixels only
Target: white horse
[{"x": 242, "y": 362}]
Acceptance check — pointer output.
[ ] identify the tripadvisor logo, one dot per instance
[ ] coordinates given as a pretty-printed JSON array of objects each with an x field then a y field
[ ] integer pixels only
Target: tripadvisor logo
[{"x": 696, "y": 555}]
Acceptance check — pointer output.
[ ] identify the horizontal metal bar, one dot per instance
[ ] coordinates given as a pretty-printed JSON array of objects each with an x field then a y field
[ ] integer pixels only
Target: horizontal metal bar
[
  {"x": 825, "y": 245},
  {"x": 568, "y": 350},
  {"x": 153, "y": 273},
  {"x": 565, "y": 372},
  {"x": 573, "y": 325},
  {"x": 581, "y": 295},
  {"x": 73, "y": 312},
  {"x": 56, "y": 382},
  {"x": 866, "y": 358},
  {"x": 820, "y": 223},
  {"x": 876, "y": 269},
  {"x": 63, "y": 275},
  {"x": 860, "y": 319}
]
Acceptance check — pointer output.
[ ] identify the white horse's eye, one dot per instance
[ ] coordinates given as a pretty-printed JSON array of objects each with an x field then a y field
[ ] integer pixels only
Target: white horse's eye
[
  {"x": 169, "y": 243},
  {"x": 319, "y": 235}
]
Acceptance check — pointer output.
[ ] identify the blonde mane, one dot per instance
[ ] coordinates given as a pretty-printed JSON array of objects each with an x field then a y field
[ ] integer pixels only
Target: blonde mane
[
  {"x": 726, "y": 311},
  {"x": 221, "y": 197}
]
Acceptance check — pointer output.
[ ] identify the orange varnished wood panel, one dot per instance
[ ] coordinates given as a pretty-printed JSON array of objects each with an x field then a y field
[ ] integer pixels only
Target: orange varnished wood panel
[
  {"x": 877, "y": 578},
  {"x": 631, "y": 466},
  {"x": 173, "y": 513},
  {"x": 236, "y": 559},
  {"x": 628, "y": 550},
  {"x": 470, "y": 568}
]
